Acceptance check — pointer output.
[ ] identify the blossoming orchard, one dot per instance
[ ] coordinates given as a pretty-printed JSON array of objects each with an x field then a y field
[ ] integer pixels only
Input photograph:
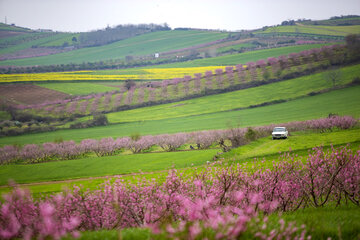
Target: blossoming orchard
[
  {"x": 226, "y": 139},
  {"x": 223, "y": 199},
  {"x": 188, "y": 86},
  {"x": 148, "y": 132}
]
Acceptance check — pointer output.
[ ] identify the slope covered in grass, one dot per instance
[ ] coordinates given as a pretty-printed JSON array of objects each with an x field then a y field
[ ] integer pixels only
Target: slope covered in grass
[
  {"x": 242, "y": 58},
  {"x": 283, "y": 90},
  {"x": 29, "y": 40},
  {"x": 298, "y": 142},
  {"x": 315, "y": 29},
  {"x": 13, "y": 28},
  {"x": 77, "y": 88},
  {"x": 145, "y": 44},
  {"x": 343, "y": 102},
  {"x": 103, "y": 166}
]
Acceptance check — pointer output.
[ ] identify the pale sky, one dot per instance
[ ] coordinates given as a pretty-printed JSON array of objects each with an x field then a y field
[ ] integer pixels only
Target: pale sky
[{"x": 85, "y": 15}]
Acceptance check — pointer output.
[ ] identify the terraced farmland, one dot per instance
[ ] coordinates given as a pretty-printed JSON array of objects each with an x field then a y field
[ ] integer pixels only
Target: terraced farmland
[
  {"x": 315, "y": 29},
  {"x": 145, "y": 44},
  {"x": 166, "y": 151},
  {"x": 243, "y": 58}
]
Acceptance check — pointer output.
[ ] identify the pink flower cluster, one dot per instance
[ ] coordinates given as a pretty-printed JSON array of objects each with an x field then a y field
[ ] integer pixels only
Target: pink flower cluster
[
  {"x": 224, "y": 199},
  {"x": 33, "y": 153},
  {"x": 23, "y": 217}
]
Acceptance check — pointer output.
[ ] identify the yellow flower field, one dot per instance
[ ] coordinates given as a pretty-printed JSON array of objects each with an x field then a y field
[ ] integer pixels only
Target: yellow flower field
[
  {"x": 141, "y": 74},
  {"x": 169, "y": 73}
]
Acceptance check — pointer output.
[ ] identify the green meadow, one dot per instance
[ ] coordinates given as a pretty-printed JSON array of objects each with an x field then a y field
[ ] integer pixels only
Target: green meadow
[
  {"x": 155, "y": 165},
  {"x": 236, "y": 47},
  {"x": 144, "y": 44},
  {"x": 60, "y": 39},
  {"x": 39, "y": 39},
  {"x": 315, "y": 29},
  {"x": 242, "y": 58},
  {"x": 298, "y": 99},
  {"x": 78, "y": 88},
  {"x": 103, "y": 166},
  {"x": 298, "y": 143},
  {"x": 233, "y": 59},
  {"x": 283, "y": 90},
  {"x": 343, "y": 101}
]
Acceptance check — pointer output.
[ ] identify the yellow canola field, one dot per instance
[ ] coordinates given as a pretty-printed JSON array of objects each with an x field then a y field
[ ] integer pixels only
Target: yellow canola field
[
  {"x": 144, "y": 74},
  {"x": 169, "y": 73},
  {"x": 60, "y": 76}
]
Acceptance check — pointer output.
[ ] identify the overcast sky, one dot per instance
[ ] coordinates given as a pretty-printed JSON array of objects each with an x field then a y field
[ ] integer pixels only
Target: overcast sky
[{"x": 85, "y": 15}]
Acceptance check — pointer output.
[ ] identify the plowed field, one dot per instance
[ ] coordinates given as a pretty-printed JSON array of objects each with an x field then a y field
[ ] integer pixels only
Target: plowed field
[{"x": 28, "y": 94}]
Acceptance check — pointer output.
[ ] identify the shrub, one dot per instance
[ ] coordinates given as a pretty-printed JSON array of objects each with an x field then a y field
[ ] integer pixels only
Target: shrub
[
  {"x": 356, "y": 81},
  {"x": 135, "y": 136},
  {"x": 250, "y": 134},
  {"x": 99, "y": 120}
]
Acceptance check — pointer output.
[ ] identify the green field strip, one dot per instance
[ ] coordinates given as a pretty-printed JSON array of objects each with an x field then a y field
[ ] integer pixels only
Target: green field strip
[
  {"x": 334, "y": 22},
  {"x": 283, "y": 90},
  {"x": 299, "y": 142},
  {"x": 241, "y": 58},
  {"x": 7, "y": 27},
  {"x": 103, "y": 166},
  {"x": 59, "y": 41},
  {"x": 76, "y": 88},
  {"x": 344, "y": 102},
  {"x": 296, "y": 141},
  {"x": 326, "y": 222},
  {"x": 315, "y": 29},
  {"x": 43, "y": 38},
  {"x": 144, "y": 44},
  {"x": 235, "y": 47}
]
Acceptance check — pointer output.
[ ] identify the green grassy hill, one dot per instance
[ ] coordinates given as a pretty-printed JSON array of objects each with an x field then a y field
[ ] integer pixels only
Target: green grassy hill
[
  {"x": 313, "y": 29},
  {"x": 336, "y": 21},
  {"x": 284, "y": 90},
  {"x": 111, "y": 165},
  {"x": 13, "y": 28},
  {"x": 145, "y": 44},
  {"x": 156, "y": 164},
  {"x": 241, "y": 58},
  {"x": 78, "y": 88},
  {"x": 342, "y": 101},
  {"x": 303, "y": 98},
  {"x": 33, "y": 40}
]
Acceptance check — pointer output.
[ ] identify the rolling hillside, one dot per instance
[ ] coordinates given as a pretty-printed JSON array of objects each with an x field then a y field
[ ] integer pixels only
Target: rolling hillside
[
  {"x": 242, "y": 58},
  {"x": 313, "y": 29},
  {"x": 32, "y": 48},
  {"x": 149, "y": 145},
  {"x": 145, "y": 44},
  {"x": 90, "y": 127},
  {"x": 167, "y": 120}
]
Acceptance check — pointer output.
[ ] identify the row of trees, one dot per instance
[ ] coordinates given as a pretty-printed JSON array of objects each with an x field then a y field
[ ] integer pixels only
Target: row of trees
[
  {"x": 226, "y": 139},
  {"x": 307, "y": 59},
  {"x": 101, "y": 65},
  {"x": 120, "y": 32},
  {"x": 222, "y": 202},
  {"x": 110, "y": 64},
  {"x": 242, "y": 76},
  {"x": 273, "y": 68}
]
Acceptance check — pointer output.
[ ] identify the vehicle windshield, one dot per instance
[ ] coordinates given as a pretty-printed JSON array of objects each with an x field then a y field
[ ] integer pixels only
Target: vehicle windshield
[{"x": 279, "y": 129}]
